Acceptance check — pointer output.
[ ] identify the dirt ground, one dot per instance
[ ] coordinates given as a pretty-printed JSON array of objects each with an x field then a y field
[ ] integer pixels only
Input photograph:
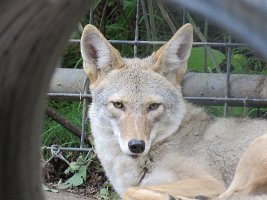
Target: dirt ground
[
  {"x": 54, "y": 171},
  {"x": 62, "y": 195}
]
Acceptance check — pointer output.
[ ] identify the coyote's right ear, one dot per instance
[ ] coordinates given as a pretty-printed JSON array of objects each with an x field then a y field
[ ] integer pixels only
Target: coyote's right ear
[{"x": 99, "y": 56}]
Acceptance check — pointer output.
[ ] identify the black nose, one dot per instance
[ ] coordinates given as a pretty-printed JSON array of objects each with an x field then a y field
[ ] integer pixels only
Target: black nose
[{"x": 136, "y": 146}]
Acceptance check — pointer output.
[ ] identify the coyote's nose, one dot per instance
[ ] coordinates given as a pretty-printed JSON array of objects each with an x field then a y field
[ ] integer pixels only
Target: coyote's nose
[{"x": 136, "y": 146}]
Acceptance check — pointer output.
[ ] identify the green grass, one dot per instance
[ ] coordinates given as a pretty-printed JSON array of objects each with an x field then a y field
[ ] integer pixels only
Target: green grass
[
  {"x": 53, "y": 133},
  {"x": 218, "y": 111}
]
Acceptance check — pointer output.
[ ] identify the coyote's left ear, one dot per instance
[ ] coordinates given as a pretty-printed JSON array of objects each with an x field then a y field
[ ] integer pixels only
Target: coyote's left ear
[
  {"x": 99, "y": 56},
  {"x": 171, "y": 59}
]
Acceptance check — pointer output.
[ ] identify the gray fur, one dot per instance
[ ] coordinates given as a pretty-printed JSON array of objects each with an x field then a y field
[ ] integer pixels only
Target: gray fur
[{"x": 182, "y": 141}]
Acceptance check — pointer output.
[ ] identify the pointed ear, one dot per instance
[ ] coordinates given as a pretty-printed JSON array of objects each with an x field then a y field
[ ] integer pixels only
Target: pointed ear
[
  {"x": 99, "y": 56},
  {"x": 171, "y": 59}
]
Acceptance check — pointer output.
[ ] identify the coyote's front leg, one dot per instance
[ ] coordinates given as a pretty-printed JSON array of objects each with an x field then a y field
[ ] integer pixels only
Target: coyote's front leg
[{"x": 183, "y": 190}]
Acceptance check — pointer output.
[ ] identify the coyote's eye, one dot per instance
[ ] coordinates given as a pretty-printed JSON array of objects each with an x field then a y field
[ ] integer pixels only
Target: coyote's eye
[
  {"x": 118, "y": 105},
  {"x": 153, "y": 106}
]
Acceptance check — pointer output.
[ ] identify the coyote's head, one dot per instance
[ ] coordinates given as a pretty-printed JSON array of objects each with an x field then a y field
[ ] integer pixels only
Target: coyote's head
[{"x": 139, "y": 101}]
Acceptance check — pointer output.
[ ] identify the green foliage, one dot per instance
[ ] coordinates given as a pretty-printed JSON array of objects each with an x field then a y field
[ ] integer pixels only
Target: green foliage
[
  {"x": 107, "y": 193},
  {"x": 79, "y": 171},
  {"x": 197, "y": 59},
  {"x": 53, "y": 133},
  {"x": 239, "y": 61},
  {"x": 121, "y": 27},
  {"x": 218, "y": 111},
  {"x": 246, "y": 61},
  {"x": 71, "y": 57}
]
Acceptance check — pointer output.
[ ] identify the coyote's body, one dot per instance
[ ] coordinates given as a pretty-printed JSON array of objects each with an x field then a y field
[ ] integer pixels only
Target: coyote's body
[
  {"x": 146, "y": 135},
  {"x": 205, "y": 148}
]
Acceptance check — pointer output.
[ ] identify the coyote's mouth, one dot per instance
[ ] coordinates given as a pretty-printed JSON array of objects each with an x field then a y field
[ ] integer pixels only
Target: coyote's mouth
[{"x": 133, "y": 156}]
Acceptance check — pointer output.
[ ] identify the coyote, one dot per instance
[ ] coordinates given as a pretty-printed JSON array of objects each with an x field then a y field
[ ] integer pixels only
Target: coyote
[{"x": 152, "y": 143}]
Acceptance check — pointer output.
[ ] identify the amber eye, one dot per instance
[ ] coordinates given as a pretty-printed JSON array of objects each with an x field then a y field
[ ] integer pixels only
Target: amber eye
[
  {"x": 153, "y": 106},
  {"x": 118, "y": 105}
]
